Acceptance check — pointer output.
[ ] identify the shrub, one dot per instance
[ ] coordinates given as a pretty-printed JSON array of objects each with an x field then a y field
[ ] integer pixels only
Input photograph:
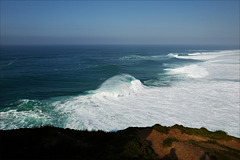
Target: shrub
[
  {"x": 203, "y": 132},
  {"x": 162, "y": 129},
  {"x": 168, "y": 142},
  {"x": 139, "y": 148}
]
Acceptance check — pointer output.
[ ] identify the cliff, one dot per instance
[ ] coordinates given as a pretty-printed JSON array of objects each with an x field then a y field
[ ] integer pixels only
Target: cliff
[{"x": 157, "y": 142}]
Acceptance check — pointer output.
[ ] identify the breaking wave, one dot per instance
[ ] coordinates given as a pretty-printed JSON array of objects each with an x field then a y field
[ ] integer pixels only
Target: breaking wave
[
  {"x": 120, "y": 85},
  {"x": 171, "y": 55}
]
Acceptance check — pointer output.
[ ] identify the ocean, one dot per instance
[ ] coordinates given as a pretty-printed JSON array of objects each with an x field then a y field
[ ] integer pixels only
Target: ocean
[{"x": 107, "y": 87}]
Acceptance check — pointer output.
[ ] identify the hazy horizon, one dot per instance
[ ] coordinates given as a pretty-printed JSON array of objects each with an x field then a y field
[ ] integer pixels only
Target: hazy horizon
[{"x": 119, "y": 23}]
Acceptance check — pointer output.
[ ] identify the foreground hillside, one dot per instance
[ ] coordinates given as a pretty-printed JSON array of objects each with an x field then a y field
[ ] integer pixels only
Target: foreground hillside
[{"x": 157, "y": 142}]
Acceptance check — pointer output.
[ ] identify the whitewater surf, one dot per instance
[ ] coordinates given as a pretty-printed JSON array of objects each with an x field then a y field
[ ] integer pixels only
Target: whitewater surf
[{"x": 202, "y": 92}]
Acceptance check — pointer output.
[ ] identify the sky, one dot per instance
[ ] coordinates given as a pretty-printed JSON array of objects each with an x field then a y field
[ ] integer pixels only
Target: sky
[{"x": 119, "y": 22}]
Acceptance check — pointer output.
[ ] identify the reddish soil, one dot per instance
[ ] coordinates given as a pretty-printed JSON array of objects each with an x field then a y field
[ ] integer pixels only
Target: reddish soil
[{"x": 189, "y": 147}]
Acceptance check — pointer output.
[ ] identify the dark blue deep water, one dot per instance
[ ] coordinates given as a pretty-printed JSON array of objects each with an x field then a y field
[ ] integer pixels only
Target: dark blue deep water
[{"x": 41, "y": 72}]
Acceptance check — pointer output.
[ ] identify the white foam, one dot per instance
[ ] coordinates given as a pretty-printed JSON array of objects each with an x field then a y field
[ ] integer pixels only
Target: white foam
[
  {"x": 215, "y": 65},
  {"x": 194, "y": 54},
  {"x": 208, "y": 55},
  {"x": 14, "y": 119},
  {"x": 210, "y": 104},
  {"x": 192, "y": 71}
]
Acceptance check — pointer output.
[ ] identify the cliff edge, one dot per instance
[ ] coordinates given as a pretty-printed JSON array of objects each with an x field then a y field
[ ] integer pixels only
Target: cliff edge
[{"x": 156, "y": 142}]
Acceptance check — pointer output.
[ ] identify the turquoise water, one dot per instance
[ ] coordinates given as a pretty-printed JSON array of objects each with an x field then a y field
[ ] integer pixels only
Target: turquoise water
[{"x": 114, "y": 87}]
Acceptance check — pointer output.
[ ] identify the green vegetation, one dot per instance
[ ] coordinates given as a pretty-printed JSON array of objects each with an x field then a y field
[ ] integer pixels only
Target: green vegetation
[
  {"x": 211, "y": 142},
  {"x": 168, "y": 142},
  {"x": 139, "y": 148},
  {"x": 197, "y": 143},
  {"x": 226, "y": 153},
  {"x": 203, "y": 132},
  {"x": 162, "y": 129}
]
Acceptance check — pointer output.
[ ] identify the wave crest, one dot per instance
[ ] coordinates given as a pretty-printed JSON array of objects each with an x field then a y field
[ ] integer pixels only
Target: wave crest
[
  {"x": 120, "y": 85},
  {"x": 171, "y": 55}
]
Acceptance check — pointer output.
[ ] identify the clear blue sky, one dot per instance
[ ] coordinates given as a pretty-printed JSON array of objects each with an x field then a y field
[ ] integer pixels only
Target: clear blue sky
[{"x": 119, "y": 22}]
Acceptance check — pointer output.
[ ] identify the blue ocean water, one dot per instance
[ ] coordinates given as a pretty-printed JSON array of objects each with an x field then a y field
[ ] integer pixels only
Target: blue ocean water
[{"x": 114, "y": 87}]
